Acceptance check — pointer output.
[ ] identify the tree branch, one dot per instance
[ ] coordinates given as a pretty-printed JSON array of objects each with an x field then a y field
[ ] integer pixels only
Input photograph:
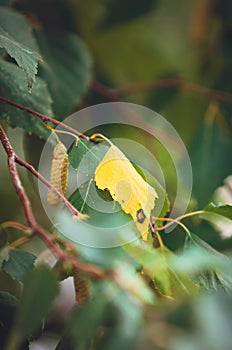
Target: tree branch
[
  {"x": 88, "y": 269},
  {"x": 45, "y": 119},
  {"x": 175, "y": 83}
]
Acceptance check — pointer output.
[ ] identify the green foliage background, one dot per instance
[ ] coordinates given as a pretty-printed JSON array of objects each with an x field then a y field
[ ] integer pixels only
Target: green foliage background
[{"x": 50, "y": 54}]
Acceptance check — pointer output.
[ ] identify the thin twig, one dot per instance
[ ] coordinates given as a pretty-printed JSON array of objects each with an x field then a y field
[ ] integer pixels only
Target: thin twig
[
  {"x": 28, "y": 166},
  {"x": 45, "y": 119}
]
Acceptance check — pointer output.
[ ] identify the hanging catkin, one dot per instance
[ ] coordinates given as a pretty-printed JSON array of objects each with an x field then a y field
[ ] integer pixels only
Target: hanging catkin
[
  {"x": 59, "y": 173},
  {"x": 82, "y": 288}
]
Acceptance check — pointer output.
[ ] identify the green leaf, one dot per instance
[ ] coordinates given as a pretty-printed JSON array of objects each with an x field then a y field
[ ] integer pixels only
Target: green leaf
[
  {"x": 91, "y": 154},
  {"x": 13, "y": 87},
  {"x": 66, "y": 69},
  {"x": 26, "y": 58},
  {"x": 18, "y": 264},
  {"x": 223, "y": 210},
  {"x": 78, "y": 151},
  {"x": 210, "y": 171},
  {"x": 40, "y": 290},
  {"x": 15, "y": 24}
]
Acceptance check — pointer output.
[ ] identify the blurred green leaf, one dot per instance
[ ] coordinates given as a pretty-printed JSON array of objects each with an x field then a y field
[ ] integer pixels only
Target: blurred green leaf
[
  {"x": 153, "y": 263},
  {"x": 101, "y": 230},
  {"x": 13, "y": 87},
  {"x": 106, "y": 258},
  {"x": 213, "y": 273},
  {"x": 8, "y": 304},
  {"x": 163, "y": 267},
  {"x": 223, "y": 210},
  {"x": 210, "y": 171},
  {"x": 26, "y": 58},
  {"x": 119, "y": 326},
  {"x": 8, "y": 309},
  {"x": 207, "y": 232},
  {"x": 213, "y": 321},
  {"x": 87, "y": 319},
  {"x": 120, "y": 11},
  {"x": 66, "y": 68},
  {"x": 128, "y": 323},
  {"x": 133, "y": 283},
  {"x": 18, "y": 264},
  {"x": 40, "y": 290}
]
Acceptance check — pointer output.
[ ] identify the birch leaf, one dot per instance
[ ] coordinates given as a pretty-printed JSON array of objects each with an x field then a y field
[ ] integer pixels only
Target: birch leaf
[{"x": 127, "y": 187}]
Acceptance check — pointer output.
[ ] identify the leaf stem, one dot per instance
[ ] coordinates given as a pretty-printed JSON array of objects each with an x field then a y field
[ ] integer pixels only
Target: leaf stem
[
  {"x": 62, "y": 132},
  {"x": 94, "y": 136},
  {"x": 177, "y": 220},
  {"x": 20, "y": 241},
  {"x": 171, "y": 222},
  {"x": 16, "y": 225}
]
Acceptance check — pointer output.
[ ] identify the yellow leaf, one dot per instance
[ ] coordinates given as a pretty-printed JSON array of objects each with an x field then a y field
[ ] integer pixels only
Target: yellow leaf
[{"x": 126, "y": 186}]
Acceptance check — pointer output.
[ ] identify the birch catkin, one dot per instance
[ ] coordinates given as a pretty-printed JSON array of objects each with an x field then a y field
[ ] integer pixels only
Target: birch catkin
[
  {"x": 59, "y": 173},
  {"x": 82, "y": 288}
]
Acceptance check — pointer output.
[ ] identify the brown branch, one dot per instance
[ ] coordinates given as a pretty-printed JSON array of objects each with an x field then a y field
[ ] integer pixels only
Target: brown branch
[
  {"x": 104, "y": 91},
  {"x": 45, "y": 119},
  {"x": 176, "y": 83},
  {"x": 88, "y": 269},
  {"x": 152, "y": 85}
]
